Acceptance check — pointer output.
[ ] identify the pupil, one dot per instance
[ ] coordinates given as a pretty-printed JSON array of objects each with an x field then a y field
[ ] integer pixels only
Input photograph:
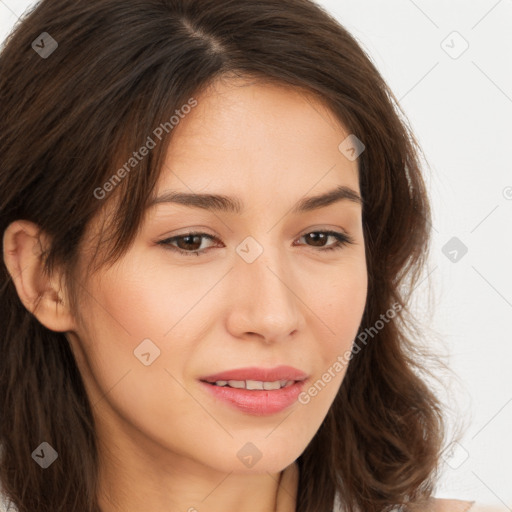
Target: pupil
[
  {"x": 188, "y": 243},
  {"x": 318, "y": 236}
]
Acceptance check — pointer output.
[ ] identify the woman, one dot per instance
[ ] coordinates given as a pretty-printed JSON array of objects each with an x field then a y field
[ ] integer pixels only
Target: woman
[{"x": 276, "y": 369}]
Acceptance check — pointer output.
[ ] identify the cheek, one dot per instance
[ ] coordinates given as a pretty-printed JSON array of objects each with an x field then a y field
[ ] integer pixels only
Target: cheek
[
  {"x": 151, "y": 298},
  {"x": 342, "y": 305},
  {"x": 138, "y": 308},
  {"x": 138, "y": 301},
  {"x": 125, "y": 319},
  {"x": 342, "y": 301}
]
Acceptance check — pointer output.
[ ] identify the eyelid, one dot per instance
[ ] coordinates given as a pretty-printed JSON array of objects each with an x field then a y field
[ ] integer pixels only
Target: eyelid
[
  {"x": 342, "y": 240},
  {"x": 166, "y": 242}
]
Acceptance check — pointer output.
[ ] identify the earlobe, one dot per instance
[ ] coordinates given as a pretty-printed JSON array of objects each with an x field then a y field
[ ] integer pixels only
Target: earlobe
[{"x": 23, "y": 247}]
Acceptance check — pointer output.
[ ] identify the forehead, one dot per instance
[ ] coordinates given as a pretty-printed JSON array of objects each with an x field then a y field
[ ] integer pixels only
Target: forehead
[
  {"x": 232, "y": 113},
  {"x": 249, "y": 134}
]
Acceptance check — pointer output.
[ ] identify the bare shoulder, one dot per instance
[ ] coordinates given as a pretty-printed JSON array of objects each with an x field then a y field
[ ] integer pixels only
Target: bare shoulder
[{"x": 450, "y": 505}]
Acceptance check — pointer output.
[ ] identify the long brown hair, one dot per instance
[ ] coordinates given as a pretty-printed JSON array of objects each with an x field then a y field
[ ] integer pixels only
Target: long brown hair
[{"x": 68, "y": 121}]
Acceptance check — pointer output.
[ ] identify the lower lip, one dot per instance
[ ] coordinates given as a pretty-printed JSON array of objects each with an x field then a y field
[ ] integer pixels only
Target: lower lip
[{"x": 257, "y": 402}]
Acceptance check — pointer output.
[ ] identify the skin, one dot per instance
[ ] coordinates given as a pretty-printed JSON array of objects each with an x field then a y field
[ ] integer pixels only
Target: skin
[{"x": 165, "y": 444}]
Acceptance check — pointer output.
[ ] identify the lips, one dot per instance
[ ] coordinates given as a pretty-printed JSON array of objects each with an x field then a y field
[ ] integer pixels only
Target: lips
[
  {"x": 229, "y": 387},
  {"x": 282, "y": 372}
]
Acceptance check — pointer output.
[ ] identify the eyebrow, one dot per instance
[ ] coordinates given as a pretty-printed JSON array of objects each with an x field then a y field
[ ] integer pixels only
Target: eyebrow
[{"x": 219, "y": 202}]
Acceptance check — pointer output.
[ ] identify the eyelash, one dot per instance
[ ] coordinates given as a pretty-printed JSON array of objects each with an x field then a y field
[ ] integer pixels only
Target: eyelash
[{"x": 341, "y": 241}]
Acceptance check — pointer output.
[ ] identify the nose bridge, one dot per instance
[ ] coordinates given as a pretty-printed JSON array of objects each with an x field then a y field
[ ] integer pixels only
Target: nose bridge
[{"x": 265, "y": 298}]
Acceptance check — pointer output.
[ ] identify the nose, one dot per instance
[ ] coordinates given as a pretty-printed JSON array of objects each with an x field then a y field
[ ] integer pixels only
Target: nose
[{"x": 265, "y": 301}]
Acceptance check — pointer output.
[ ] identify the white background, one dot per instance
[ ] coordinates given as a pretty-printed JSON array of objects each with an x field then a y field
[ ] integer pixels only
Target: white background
[{"x": 460, "y": 108}]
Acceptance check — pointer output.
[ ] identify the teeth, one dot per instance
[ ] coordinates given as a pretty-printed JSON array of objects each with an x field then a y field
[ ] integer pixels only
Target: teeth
[
  {"x": 239, "y": 384},
  {"x": 255, "y": 384}
]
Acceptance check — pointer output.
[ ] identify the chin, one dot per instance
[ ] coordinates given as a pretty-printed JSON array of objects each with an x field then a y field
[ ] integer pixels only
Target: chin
[{"x": 260, "y": 457}]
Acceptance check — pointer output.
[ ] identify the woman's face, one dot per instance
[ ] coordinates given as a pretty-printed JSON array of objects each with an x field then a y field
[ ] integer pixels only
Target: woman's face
[{"x": 263, "y": 292}]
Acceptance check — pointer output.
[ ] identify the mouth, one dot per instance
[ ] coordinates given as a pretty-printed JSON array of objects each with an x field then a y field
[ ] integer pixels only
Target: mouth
[
  {"x": 253, "y": 385},
  {"x": 257, "y": 378},
  {"x": 257, "y": 391}
]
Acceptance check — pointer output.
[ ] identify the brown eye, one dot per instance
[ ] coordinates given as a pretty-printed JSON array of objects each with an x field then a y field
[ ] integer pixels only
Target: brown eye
[
  {"x": 187, "y": 244},
  {"x": 319, "y": 239}
]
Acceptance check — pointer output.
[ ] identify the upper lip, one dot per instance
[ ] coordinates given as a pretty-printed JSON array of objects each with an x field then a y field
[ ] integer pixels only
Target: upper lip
[{"x": 282, "y": 372}]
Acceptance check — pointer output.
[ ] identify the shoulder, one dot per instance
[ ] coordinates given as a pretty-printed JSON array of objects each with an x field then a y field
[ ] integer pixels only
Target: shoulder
[
  {"x": 450, "y": 505},
  {"x": 440, "y": 505},
  {"x": 6, "y": 505}
]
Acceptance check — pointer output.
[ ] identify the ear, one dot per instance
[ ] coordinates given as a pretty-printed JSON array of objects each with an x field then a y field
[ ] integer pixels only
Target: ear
[{"x": 23, "y": 246}]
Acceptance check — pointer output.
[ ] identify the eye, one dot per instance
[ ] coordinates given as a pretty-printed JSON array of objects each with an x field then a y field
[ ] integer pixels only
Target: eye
[
  {"x": 189, "y": 244},
  {"x": 318, "y": 237},
  {"x": 185, "y": 242}
]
